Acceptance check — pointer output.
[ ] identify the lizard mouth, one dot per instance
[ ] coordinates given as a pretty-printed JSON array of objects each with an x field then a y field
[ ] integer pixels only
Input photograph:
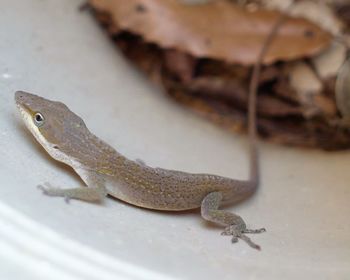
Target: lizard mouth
[
  {"x": 19, "y": 96},
  {"x": 20, "y": 103},
  {"x": 23, "y": 101},
  {"x": 27, "y": 113}
]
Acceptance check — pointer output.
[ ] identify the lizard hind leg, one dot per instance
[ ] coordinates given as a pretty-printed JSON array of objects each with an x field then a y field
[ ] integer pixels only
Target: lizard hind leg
[{"x": 234, "y": 224}]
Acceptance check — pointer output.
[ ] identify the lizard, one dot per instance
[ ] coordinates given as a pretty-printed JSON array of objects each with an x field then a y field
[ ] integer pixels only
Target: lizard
[{"x": 66, "y": 138}]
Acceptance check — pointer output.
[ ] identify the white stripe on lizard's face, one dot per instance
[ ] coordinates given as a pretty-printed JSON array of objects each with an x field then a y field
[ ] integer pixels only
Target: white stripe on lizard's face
[
  {"x": 29, "y": 118},
  {"x": 29, "y": 122}
]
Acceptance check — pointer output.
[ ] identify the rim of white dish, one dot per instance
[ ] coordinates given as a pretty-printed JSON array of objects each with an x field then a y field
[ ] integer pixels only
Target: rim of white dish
[{"x": 41, "y": 250}]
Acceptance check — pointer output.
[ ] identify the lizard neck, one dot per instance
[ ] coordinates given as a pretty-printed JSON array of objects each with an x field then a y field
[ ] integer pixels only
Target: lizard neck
[{"x": 89, "y": 152}]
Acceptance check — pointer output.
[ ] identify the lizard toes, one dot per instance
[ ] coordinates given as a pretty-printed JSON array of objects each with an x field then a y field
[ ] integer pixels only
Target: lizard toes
[
  {"x": 67, "y": 199},
  {"x": 234, "y": 239},
  {"x": 260, "y": 230},
  {"x": 47, "y": 189},
  {"x": 43, "y": 189}
]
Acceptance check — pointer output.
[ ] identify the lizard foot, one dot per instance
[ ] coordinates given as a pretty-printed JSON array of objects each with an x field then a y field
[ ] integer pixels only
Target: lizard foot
[
  {"x": 49, "y": 190},
  {"x": 237, "y": 231}
]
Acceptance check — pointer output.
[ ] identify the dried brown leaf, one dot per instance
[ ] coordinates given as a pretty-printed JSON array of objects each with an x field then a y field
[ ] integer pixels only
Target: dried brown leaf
[{"x": 218, "y": 29}]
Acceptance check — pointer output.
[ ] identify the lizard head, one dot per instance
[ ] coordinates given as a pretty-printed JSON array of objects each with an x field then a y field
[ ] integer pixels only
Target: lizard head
[{"x": 52, "y": 123}]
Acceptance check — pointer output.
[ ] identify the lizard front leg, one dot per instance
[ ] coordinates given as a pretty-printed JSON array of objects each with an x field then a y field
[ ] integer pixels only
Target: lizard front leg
[
  {"x": 94, "y": 192},
  {"x": 91, "y": 194},
  {"x": 234, "y": 224}
]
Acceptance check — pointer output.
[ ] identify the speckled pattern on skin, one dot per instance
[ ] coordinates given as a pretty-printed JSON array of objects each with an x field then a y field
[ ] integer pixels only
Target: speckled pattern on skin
[{"x": 66, "y": 138}]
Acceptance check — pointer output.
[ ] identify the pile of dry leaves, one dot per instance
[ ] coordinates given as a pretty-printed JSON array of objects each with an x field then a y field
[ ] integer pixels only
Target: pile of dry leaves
[{"x": 203, "y": 55}]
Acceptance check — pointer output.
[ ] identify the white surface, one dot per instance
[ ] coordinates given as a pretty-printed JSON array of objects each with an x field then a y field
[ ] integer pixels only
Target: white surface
[{"x": 49, "y": 48}]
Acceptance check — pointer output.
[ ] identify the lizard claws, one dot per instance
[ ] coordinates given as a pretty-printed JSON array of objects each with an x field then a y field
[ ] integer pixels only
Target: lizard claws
[
  {"x": 237, "y": 232},
  {"x": 49, "y": 190},
  {"x": 67, "y": 199},
  {"x": 45, "y": 188},
  {"x": 260, "y": 230},
  {"x": 234, "y": 239}
]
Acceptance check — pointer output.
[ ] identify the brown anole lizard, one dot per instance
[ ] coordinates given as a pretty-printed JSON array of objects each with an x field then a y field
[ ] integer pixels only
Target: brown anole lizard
[
  {"x": 105, "y": 171},
  {"x": 65, "y": 137}
]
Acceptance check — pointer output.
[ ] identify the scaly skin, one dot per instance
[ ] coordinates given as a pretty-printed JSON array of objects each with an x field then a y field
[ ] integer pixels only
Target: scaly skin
[{"x": 66, "y": 138}]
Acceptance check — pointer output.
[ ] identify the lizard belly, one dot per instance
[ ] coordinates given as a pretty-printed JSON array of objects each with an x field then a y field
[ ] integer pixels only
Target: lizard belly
[{"x": 143, "y": 194}]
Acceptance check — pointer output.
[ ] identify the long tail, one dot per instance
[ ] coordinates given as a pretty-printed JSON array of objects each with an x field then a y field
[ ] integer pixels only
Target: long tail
[{"x": 253, "y": 88}]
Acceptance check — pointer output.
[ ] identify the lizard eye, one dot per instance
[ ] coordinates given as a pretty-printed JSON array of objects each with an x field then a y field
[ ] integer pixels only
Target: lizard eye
[{"x": 38, "y": 119}]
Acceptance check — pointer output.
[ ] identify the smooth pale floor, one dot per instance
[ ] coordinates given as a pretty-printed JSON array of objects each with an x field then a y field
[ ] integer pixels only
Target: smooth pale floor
[{"x": 49, "y": 48}]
